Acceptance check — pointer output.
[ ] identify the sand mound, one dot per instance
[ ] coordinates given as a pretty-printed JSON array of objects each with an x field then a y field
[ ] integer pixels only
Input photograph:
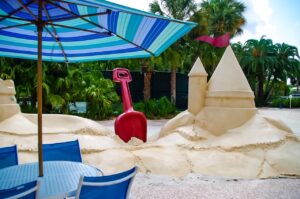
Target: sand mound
[{"x": 256, "y": 149}]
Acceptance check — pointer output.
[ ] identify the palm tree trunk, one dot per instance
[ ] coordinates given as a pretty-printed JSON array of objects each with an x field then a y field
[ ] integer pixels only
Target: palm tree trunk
[
  {"x": 147, "y": 80},
  {"x": 297, "y": 83},
  {"x": 173, "y": 85},
  {"x": 260, "y": 91},
  {"x": 269, "y": 91},
  {"x": 147, "y": 85}
]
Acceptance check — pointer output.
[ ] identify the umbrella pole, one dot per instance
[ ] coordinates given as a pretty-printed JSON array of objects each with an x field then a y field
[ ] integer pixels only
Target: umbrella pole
[{"x": 40, "y": 90}]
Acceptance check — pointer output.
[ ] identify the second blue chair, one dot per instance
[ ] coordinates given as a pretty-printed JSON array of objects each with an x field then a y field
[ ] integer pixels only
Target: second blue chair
[
  {"x": 115, "y": 186},
  {"x": 63, "y": 151},
  {"x": 8, "y": 156}
]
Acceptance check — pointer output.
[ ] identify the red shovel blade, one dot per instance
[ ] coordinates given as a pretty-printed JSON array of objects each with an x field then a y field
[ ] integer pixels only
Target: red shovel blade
[{"x": 131, "y": 124}]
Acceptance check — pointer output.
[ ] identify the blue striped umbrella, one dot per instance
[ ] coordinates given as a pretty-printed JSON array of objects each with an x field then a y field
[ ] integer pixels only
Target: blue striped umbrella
[
  {"x": 85, "y": 30},
  {"x": 80, "y": 31}
]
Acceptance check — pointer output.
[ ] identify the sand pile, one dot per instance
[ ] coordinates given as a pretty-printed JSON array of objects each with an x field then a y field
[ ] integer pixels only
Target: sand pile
[{"x": 236, "y": 154}]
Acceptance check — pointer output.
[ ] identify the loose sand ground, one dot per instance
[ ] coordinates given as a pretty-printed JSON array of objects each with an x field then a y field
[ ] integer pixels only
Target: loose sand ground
[
  {"x": 194, "y": 186},
  {"x": 197, "y": 187}
]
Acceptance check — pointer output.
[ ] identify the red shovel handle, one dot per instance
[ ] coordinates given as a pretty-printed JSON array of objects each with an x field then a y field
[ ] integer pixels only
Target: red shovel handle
[
  {"x": 123, "y": 76},
  {"x": 131, "y": 123}
]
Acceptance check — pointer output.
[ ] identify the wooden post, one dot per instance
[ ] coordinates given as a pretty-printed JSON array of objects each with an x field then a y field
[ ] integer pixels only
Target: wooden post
[{"x": 40, "y": 89}]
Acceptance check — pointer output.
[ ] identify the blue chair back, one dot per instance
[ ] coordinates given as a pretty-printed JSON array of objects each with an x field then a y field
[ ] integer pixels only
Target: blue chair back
[
  {"x": 63, "y": 151},
  {"x": 106, "y": 187},
  {"x": 28, "y": 190},
  {"x": 8, "y": 156}
]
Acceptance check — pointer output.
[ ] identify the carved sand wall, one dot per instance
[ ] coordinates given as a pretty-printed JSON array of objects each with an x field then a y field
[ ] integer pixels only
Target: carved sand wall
[{"x": 8, "y": 105}]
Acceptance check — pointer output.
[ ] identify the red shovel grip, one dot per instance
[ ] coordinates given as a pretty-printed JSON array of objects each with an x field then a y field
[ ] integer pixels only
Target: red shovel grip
[{"x": 121, "y": 74}]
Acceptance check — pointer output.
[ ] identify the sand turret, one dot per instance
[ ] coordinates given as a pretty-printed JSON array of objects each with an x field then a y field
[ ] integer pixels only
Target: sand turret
[
  {"x": 8, "y": 104},
  {"x": 228, "y": 86},
  {"x": 197, "y": 87}
]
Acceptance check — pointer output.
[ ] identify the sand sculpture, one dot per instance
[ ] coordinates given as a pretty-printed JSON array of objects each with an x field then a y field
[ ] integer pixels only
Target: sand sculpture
[
  {"x": 221, "y": 133},
  {"x": 226, "y": 136},
  {"x": 19, "y": 128}
]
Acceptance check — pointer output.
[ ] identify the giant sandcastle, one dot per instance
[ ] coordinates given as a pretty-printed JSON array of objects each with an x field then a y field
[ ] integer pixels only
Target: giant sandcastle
[{"x": 221, "y": 133}]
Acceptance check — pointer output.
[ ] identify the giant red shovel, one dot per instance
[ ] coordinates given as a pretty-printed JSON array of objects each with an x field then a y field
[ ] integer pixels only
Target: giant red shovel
[{"x": 131, "y": 123}]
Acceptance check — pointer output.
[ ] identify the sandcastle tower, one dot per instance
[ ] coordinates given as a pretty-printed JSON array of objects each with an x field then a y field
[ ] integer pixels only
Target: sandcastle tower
[
  {"x": 8, "y": 104},
  {"x": 229, "y": 100},
  {"x": 197, "y": 87},
  {"x": 228, "y": 86}
]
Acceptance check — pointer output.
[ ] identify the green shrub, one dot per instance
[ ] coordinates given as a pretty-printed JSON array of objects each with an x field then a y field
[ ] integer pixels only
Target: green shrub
[
  {"x": 117, "y": 109},
  {"x": 154, "y": 109},
  {"x": 100, "y": 99},
  {"x": 165, "y": 107},
  {"x": 285, "y": 102}
]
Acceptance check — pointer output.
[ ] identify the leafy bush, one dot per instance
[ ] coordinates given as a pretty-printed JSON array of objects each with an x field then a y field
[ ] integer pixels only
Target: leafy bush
[
  {"x": 117, "y": 108},
  {"x": 100, "y": 98},
  {"x": 154, "y": 109},
  {"x": 285, "y": 102}
]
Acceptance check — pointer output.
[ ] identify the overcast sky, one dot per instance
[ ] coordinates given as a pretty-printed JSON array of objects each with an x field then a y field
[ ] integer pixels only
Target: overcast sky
[{"x": 279, "y": 20}]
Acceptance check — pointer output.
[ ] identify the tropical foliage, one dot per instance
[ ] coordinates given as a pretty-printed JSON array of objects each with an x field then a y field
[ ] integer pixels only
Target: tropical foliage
[
  {"x": 62, "y": 85},
  {"x": 285, "y": 102},
  {"x": 156, "y": 108},
  {"x": 178, "y": 9},
  {"x": 267, "y": 65},
  {"x": 215, "y": 18}
]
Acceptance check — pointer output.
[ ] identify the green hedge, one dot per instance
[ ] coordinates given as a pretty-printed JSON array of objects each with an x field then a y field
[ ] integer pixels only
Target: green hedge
[
  {"x": 153, "y": 108},
  {"x": 285, "y": 102}
]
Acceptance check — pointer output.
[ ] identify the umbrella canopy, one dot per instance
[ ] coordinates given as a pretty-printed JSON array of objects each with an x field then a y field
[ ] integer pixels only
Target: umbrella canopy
[
  {"x": 81, "y": 30},
  {"x": 85, "y": 30}
]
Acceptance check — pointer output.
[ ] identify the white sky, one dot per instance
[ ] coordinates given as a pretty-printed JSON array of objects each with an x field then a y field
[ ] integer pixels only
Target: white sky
[{"x": 279, "y": 20}]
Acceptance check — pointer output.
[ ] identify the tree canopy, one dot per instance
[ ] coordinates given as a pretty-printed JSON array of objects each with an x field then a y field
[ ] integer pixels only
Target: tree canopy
[{"x": 267, "y": 65}]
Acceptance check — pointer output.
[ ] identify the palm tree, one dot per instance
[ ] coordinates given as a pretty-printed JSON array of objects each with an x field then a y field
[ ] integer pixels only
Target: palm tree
[
  {"x": 286, "y": 66},
  {"x": 296, "y": 74},
  {"x": 260, "y": 58},
  {"x": 215, "y": 18},
  {"x": 222, "y": 16},
  {"x": 266, "y": 65},
  {"x": 178, "y": 9},
  {"x": 244, "y": 60}
]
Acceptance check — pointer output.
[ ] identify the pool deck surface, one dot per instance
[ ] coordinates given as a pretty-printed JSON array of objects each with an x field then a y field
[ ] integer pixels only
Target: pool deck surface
[
  {"x": 291, "y": 117},
  {"x": 197, "y": 186}
]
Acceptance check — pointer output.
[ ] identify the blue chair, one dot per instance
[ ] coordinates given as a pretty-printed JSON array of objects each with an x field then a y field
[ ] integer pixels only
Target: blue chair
[
  {"x": 8, "y": 156},
  {"x": 115, "y": 186},
  {"x": 63, "y": 151},
  {"x": 28, "y": 190}
]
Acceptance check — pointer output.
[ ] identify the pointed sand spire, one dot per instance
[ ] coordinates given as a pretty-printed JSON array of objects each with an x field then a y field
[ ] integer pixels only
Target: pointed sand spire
[
  {"x": 198, "y": 69},
  {"x": 197, "y": 87},
  {"x": 228, "y": 75}
]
